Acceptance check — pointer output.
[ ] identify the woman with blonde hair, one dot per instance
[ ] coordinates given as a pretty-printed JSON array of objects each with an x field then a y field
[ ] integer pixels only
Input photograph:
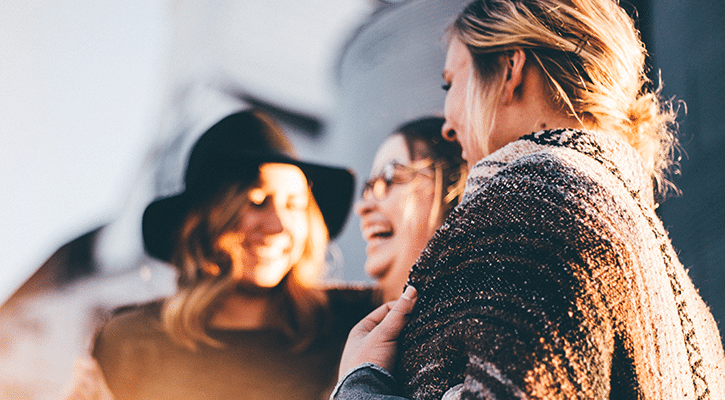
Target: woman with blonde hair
[
  {"x": 554, "y": 278},
  {"x": 250, "y": 318}
]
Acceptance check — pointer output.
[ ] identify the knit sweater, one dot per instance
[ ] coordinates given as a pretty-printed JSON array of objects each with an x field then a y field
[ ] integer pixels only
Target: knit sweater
[{"x": 555, "y": 279}]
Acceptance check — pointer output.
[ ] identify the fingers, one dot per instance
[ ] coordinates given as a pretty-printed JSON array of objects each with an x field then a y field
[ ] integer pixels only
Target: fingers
[
  {"x": 406, "y": 302},
  {"x": 400, "y": 308},
  {"x": 371, "y": 321},
  {"x": 374, "y": 339},
  {"x": 395, "y": 320},
  {"x": 376, "y": 316}
]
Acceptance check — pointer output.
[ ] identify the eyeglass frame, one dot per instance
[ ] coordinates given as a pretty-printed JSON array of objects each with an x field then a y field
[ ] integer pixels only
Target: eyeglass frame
[{"x": 383, "y": 181}]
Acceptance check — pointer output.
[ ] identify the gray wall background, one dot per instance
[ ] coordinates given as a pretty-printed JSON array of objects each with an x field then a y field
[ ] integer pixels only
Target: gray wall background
[{"x": 688, "y": 46}]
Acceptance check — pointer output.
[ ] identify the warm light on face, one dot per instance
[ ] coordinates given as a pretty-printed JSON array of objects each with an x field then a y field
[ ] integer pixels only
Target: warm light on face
[{"x": 273, "y": 228}]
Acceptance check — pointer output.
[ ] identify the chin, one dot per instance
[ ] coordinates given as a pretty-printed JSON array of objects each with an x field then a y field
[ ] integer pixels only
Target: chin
[
  {"x": 252, "y": 289},
  {"x": 376, "y": 269},
  {"x": 257, "y": 285}
]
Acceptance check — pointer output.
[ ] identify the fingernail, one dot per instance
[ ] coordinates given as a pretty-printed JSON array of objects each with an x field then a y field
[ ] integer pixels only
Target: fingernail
[{"x": 410, "y": 292}]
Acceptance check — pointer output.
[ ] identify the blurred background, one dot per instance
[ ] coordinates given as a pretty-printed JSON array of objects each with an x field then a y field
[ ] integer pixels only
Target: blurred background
[{"x": 100, "y": 102}]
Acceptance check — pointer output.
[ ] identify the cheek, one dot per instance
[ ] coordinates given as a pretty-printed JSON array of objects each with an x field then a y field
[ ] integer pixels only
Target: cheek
[
  {"x": 451, "y": 110},
  {"x": 467, "y": 143},
  {"x": 457, "y": 101},
  {"x": 299, "y": 230},
  {"x": 253, "y": 221},
  {"x": 407, "y": 210},
  {"x": 418, "y": 210},
  {"x": 455, "y": 114}
]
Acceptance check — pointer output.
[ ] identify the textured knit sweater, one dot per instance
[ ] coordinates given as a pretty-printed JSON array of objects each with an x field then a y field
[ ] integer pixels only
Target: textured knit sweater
[
  {"x": 140, "y": 362},
  {"x": 555, "y": 279}
]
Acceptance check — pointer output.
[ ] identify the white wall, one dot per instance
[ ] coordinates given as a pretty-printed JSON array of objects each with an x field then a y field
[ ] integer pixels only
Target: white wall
[{"x": 79, "y": 85}]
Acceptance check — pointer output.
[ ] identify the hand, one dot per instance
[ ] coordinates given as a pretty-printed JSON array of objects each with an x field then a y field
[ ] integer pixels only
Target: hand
[
  {"x": 375, "y": 338},
  {"x": 88, "y": 382}
]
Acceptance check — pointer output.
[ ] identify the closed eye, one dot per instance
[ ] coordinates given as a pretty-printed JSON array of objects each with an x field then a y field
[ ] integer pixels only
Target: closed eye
[{"x": 257, "y": 197}]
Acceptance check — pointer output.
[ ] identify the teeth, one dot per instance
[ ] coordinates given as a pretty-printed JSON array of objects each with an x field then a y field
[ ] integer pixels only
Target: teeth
[
  {"x": 377, "y": 230},
  {"x": 269, "y": 249}
]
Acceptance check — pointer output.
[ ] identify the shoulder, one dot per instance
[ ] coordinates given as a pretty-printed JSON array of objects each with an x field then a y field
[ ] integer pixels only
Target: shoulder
[
  {"x": 531, "y": 177},
  {"x": 563, "y": 159},
  {"x": 537, "y": 200},
  {"x": 130, "y": 322},
  {"x": 129, "y": 345},
  {"x": 135, "y": 317}
]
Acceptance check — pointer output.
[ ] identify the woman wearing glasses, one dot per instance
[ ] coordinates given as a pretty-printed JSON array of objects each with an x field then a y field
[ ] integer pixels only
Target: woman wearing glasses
[{"x": 417, "y": 179}]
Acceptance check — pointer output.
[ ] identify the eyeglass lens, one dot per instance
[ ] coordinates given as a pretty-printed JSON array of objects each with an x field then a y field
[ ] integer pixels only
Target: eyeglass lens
[{"x": 380, "y": 186}]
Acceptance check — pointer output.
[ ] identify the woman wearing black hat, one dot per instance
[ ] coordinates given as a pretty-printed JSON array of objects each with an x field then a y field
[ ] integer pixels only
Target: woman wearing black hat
[{"x": 248, "y": 237}]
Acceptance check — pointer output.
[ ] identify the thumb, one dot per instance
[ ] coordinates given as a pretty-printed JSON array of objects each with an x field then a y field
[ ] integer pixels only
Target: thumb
[
  {"x": 394, "y": 322},
  {"x": 406, "y": 302}
]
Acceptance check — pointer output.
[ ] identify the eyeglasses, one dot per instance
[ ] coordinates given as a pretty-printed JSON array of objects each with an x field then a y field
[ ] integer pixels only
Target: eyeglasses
[{"x": 393, "y": 173}]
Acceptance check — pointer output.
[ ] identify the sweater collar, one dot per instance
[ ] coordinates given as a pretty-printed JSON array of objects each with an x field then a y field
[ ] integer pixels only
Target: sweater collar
[{"x": 613, "y": 153}]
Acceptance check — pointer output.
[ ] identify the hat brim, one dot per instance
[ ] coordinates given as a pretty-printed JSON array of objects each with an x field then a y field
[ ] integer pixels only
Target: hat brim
[{"x": 332, "y": 187}]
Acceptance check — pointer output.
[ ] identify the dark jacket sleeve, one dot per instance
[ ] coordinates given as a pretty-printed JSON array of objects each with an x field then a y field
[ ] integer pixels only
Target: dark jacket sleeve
[{"x": 366, "y": 382}]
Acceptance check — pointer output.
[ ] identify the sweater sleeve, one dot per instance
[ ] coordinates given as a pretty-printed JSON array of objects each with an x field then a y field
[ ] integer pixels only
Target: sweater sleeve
[
  {"x": 366, "y": 382},
  {"x": 510, "y": 299}
]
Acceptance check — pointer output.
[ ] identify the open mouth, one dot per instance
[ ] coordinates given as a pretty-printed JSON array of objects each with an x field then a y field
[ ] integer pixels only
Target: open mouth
[
  {"x": 382, "y": 235},
  {"x": 377, "y": 232}
]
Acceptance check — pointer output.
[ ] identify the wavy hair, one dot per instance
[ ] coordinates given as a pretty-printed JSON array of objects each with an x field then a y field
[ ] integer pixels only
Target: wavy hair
[
  {"x": 205, "y": 273},
  {"x": 593, "y": 60}
]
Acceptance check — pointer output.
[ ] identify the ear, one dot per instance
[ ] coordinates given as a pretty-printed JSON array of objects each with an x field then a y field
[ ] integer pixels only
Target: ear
[{"x": 514, "y": 76}]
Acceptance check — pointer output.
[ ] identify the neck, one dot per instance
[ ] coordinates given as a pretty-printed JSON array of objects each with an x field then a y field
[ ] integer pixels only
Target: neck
[
  {"x": 530, "y": 110},
  {"x": 556, "y": 122}
]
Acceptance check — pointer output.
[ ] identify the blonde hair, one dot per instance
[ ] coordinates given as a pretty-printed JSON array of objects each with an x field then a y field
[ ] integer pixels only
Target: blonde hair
[
  {"x": 204, "y": 273},
  {"x": 593, "y": 59}
]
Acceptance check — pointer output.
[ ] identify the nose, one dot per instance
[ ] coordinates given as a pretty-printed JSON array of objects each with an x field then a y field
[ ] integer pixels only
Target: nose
[
  {"x": 365, "y": 205},
  {"x": 447, "y": 132},
  {"x": 272, "y": 220}
]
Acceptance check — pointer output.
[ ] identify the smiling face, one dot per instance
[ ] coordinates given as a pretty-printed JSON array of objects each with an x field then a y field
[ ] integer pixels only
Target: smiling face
[
  {"x": 271, "y": 235},
  {"x": 456, "y": 74},
  {"x": 396, "y": 227}
]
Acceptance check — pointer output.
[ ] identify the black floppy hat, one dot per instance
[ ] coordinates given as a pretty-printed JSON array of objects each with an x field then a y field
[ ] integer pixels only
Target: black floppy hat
[{"x": 232, "y": 151}]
